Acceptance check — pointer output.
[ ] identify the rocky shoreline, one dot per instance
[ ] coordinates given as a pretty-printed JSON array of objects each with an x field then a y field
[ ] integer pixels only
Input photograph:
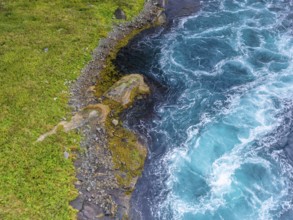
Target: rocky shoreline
[
  {"x": 81, "y": 92},
  {"x": 105, "y": 187}
]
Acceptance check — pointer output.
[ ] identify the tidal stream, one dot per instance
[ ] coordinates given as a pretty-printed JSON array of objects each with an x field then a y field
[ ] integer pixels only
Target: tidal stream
[{"x": 219, "y": 123}]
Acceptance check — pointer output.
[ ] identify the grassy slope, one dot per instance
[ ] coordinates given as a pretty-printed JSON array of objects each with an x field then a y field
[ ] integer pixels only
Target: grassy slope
[{"x": 36, "y": 181}]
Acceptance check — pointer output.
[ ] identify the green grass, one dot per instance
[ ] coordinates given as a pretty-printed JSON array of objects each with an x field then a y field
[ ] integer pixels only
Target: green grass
[{"x": 43, "y": 47}]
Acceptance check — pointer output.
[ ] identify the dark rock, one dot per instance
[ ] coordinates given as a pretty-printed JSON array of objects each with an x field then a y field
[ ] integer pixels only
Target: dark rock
[
  {"x": 160, "y": 3},
  {"x": 77, "y": 203},
  {"x": 89, "y": 212},
  {"x": 120, "y": 14},
  {"x": 124, "y": 140}
]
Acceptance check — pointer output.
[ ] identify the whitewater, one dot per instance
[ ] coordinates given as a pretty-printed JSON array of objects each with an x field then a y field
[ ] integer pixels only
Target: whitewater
[{"x": 220, "y": 134}]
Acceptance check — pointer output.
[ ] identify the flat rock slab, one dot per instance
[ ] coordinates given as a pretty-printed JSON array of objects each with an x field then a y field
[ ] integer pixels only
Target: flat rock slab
[{"x": 90, "y": 115}]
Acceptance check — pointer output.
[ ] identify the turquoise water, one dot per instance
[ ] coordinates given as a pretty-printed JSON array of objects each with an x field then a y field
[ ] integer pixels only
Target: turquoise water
[{"x": 220, "y": 135}]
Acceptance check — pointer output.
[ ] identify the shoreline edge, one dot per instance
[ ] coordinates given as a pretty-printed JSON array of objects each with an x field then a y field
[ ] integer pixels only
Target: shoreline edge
[{"x": 103, "y": 193}]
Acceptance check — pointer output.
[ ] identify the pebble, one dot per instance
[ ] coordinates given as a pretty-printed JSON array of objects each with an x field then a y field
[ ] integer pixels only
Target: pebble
[
  {"x": 115, "y": 122},
  {"x": 78, "y": 183},
  {"x": 66, "y": 155}
]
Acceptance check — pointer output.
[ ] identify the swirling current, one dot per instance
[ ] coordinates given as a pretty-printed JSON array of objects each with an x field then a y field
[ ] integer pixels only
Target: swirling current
[{"x": 219, "y": 128}]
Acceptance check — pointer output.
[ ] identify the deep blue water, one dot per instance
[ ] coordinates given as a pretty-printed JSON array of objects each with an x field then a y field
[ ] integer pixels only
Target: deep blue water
[{"x": 220, "y": 131}]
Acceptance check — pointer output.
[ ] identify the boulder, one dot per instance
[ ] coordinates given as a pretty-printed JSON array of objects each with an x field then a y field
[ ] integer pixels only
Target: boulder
[
  {"x": 120, "y": 14},
  {"x": 161, "y": 18},
  {"x": 127, "y": 89}
]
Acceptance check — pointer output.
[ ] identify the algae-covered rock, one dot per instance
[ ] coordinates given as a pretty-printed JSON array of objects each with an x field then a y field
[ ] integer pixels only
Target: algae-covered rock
[{"x": 127, "y": 89}]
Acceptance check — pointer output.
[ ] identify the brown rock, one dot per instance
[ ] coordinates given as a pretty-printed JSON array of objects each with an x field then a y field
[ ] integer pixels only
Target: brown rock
[
  {"x": 127, "y": 89},
  {"x": 162, "y": 18},
  {"x": 92, "y": 114}
]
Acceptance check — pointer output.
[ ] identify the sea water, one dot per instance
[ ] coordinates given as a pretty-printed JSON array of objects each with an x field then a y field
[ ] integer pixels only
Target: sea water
[{"x": 220, "y": 136}]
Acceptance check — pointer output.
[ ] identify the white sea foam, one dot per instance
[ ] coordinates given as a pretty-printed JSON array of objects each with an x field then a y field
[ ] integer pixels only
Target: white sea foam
[{"x": 249, "y": 108}]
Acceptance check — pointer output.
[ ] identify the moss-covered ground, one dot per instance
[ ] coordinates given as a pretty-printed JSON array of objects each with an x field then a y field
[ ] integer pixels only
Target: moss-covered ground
[
  {"x": 128, "y": 154},
  {"x": 43, "y": 47}
]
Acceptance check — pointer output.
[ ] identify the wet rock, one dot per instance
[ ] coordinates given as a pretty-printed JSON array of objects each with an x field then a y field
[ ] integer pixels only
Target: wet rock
[
  {"x": 162, "y": 18},
  {"x": 163, "y": 3},
  {"x": 127, "y": 89},
  {"x": 120, "y": 14}
]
